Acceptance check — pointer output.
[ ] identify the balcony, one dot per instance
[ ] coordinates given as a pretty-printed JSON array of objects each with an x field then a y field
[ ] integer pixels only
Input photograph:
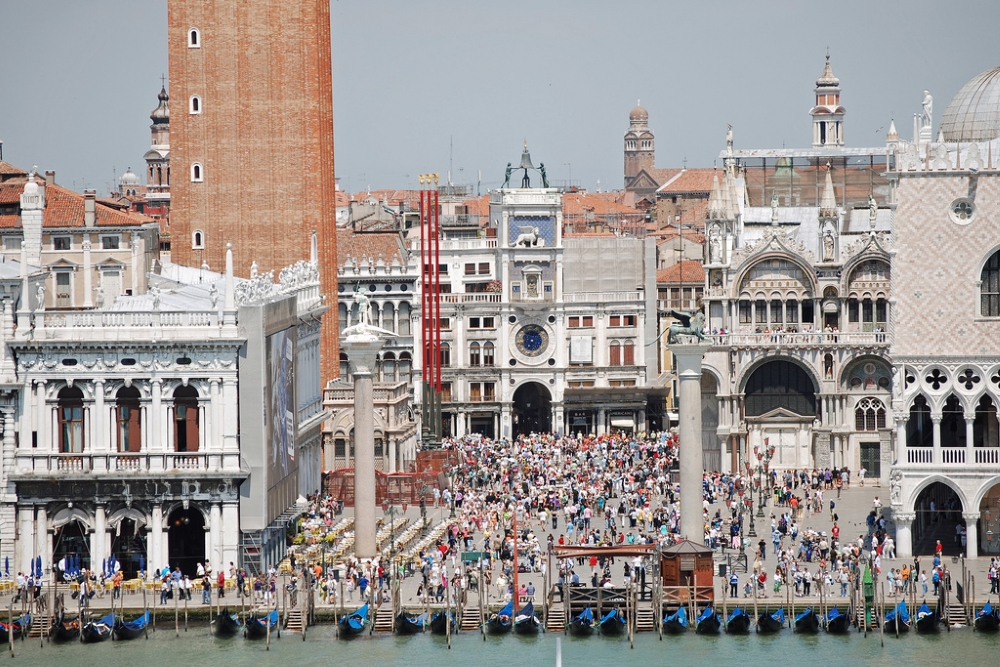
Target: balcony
[
  {"x": 602, "y": 297},
  {"x": 117, "y": 464},
  {"x": 951, "y": 456},
  {"x": 816, "y": 339},
  {"x": 471, "y": 297}
]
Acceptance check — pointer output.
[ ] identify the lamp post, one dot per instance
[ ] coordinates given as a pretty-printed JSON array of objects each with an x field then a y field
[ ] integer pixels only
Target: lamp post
[
  {"x": 423, "y": 510},
  {"x": 390, "y": 510},
  {"x": 763, "y": 465}
]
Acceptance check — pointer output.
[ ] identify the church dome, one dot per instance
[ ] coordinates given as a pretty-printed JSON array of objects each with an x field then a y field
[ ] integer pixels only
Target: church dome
[
  {"x": 638, "y": 114},
  {"x": 128, "y": 178},
  {"x": 974, "y": 113},
  {"x": 161, "y": 114}
]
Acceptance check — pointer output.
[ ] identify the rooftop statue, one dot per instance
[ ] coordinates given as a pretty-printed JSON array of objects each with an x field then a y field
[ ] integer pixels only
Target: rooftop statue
[{"x": 688, "y": 324}]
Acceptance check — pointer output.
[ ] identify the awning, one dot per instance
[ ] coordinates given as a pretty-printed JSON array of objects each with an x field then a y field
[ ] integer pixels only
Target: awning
[
  {"x": 623, "y": 422},
  {"x": 673, "y": 416}
]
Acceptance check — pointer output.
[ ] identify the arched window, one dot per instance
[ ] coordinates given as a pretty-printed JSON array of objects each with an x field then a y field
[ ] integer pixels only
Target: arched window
[
  {"x": 197, "y": 173},
  {"x": 405, "y": 366},
  {"x": 615, "y": 354},
  {"x": 388, "y": 317},
  {"x": 488, "y": 354},
  {"x": 128, "y": 415},
  {"x": 404, "y": 319},
  {"x": 342, "y": 316},
  {"x": 194, "y": 105},
  {"x": 780, "y": 384},
  {"x": 389, "y": 367},
  {"x": 475, "y": 359},
  {"x": 989, "y": 287},
  {"x": 345, "y": 366},
  {"x": 628, "y": 353},
  {"x": 953, "y": 423},
  {"x": 185, "y": 419},
  {"x": 71, "y": 435},
  {"x": 445, "y": 355},
  {"x": 198, "y": 240},
  {"x": 869, "y": 415},
  {"x": 919, "y": 428},
  {"x": 194, "y": 39}
]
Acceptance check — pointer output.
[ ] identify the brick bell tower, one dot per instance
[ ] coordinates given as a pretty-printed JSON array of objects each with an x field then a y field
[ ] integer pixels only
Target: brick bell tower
[{"x": 252, "y": 139}]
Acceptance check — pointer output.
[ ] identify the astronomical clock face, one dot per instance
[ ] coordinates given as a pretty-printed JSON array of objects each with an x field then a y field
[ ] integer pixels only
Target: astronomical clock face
[{"x": 531, "y": 340}]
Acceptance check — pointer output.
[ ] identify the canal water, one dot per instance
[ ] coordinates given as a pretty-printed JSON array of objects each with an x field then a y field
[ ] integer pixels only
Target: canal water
[{"x": 197, "y": 648}]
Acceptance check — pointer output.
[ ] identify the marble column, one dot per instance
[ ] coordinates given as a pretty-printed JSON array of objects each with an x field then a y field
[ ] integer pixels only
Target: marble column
[
  {"x": 154, "y": 544},
  {"x": 936, "y": 432},
  {"x": 904, "y": 536},
  {"x": 230, "y": 533},
  {"x": 215, "y": 535},
  {"x": 971, "y": 534},
  {"x": 901, "y": 421},
  {"x": 41, "y": 535},
  {"x": 98, "y": 537},
  {"x": 26, "y": 536},
  {"x": 88, "y": 290},
  {"x": 361, "y": 349},
  {"x": 689, "y": 359}
]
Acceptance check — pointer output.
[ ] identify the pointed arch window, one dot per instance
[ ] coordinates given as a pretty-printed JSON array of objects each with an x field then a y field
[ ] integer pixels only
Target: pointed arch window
[
  {"x": 869, "y": 415},
  {"x": 989, "y": 287}
]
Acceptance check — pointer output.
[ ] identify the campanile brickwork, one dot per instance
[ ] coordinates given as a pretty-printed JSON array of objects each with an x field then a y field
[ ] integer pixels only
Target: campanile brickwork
[{"x": 262, "y": 138}]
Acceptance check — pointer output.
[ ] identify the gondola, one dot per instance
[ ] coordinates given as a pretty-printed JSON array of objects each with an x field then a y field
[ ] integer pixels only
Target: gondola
[
  {"x": 439, "y": 622},
  {"x": 67, "y": 629},
  {"x": 227, "y": 624},
  {"x": 612, "y": 623},
  {"x": 927, "y": 619},
  {"x": 708, "y": 622},
  {"x": 97, "y": 631},
  {"x": 676, "y": 623},
  {"x": 256, "y": 626},
  {"x": 501, "y": 622},
  {"x": 738, "y": 622},
  {"x": 354, "y": 624},
  {"x": 527, "y": 622},
  {"x": 769, "y": 622},
  {"x": 410, "y": 625},
  {"x": 806, "y": 622},
  {"x": 897, "y": 620},
  {"x": 17, "y": 626},
  {"x": 132, "y": 629},
  {"x": 987, "y": 619},
  {"x": 837, "y": 623},
  {"x": 582, "y": 625}
]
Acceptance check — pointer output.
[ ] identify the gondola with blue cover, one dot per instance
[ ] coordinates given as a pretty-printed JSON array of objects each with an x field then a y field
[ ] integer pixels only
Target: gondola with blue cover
[
  {"x": 410, "y": 625},
  {"x": 227, "y": 624},
  {"x": 897, "y": 620},
  {"x": 738, "y": 622},
  {"x": 93, "y": 632},
  {"x": 439, "y": 622},
  {"x": 806, "y": 622},
  {"x": 987, "y": 619},
  {"x": 612, "y": 623},
  {"x": 132, "y": 629},
  {"x": 17, "y": 627},
  {"x": 582, "y": 625},
  {"x": 526, "y": 621},
  {"x": 256, "y": 626},
  {"x": 708, "y": 622},
  {"x": 837, "y": 623},
  {"x": 927, "y": 620},
  {"x": 354, "y": 624},
  {"x": 676, "y": 623},
  {"x": 771, "y": 621},
  {"x": 502, "y": 621}
]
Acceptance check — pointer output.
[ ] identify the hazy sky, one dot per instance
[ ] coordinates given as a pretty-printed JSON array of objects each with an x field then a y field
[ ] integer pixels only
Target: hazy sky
[{"x": 413, "y": 77}]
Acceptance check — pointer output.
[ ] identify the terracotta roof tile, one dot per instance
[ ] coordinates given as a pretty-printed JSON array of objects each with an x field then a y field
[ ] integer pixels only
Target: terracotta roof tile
[
  {"x": 686, "y": 272},
  {"x": 64, "y": 208},
  {"x": 370, "y": 245},
  {"x": 689, "y": 180},
  {"x": 7, "y": 169}
]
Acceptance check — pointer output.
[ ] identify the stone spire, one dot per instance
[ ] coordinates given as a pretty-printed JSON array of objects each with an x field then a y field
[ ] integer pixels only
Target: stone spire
[
  {"x": 716, "y": 205},
  {"x": 828, "y": 115},
  {"x": 828, "y": 203}
]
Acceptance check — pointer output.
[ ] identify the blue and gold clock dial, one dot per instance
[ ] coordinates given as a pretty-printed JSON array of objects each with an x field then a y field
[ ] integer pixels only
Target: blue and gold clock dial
[{"x": 531, "y": 340}]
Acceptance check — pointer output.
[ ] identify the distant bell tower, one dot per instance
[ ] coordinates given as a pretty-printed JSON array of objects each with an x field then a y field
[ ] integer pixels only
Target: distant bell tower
[
  {"x": 158, "y": 156},
  {"x": 640, "y": 149},
  {"x": 828, "y": 115}
]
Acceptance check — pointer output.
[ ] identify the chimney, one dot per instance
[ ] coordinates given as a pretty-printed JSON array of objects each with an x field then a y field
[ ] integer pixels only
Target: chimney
[
  {"x": 50, "y": 177},
  {"x": 89, "y": 205}
]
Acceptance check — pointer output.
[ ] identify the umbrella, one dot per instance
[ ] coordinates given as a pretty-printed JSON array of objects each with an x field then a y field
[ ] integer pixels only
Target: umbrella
[
  {"x": 6, "y": 566},
  {"x": 104, "y": 567},
  {"x": 38, "y": 567},
  {"x": 142, "y": 563}
]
